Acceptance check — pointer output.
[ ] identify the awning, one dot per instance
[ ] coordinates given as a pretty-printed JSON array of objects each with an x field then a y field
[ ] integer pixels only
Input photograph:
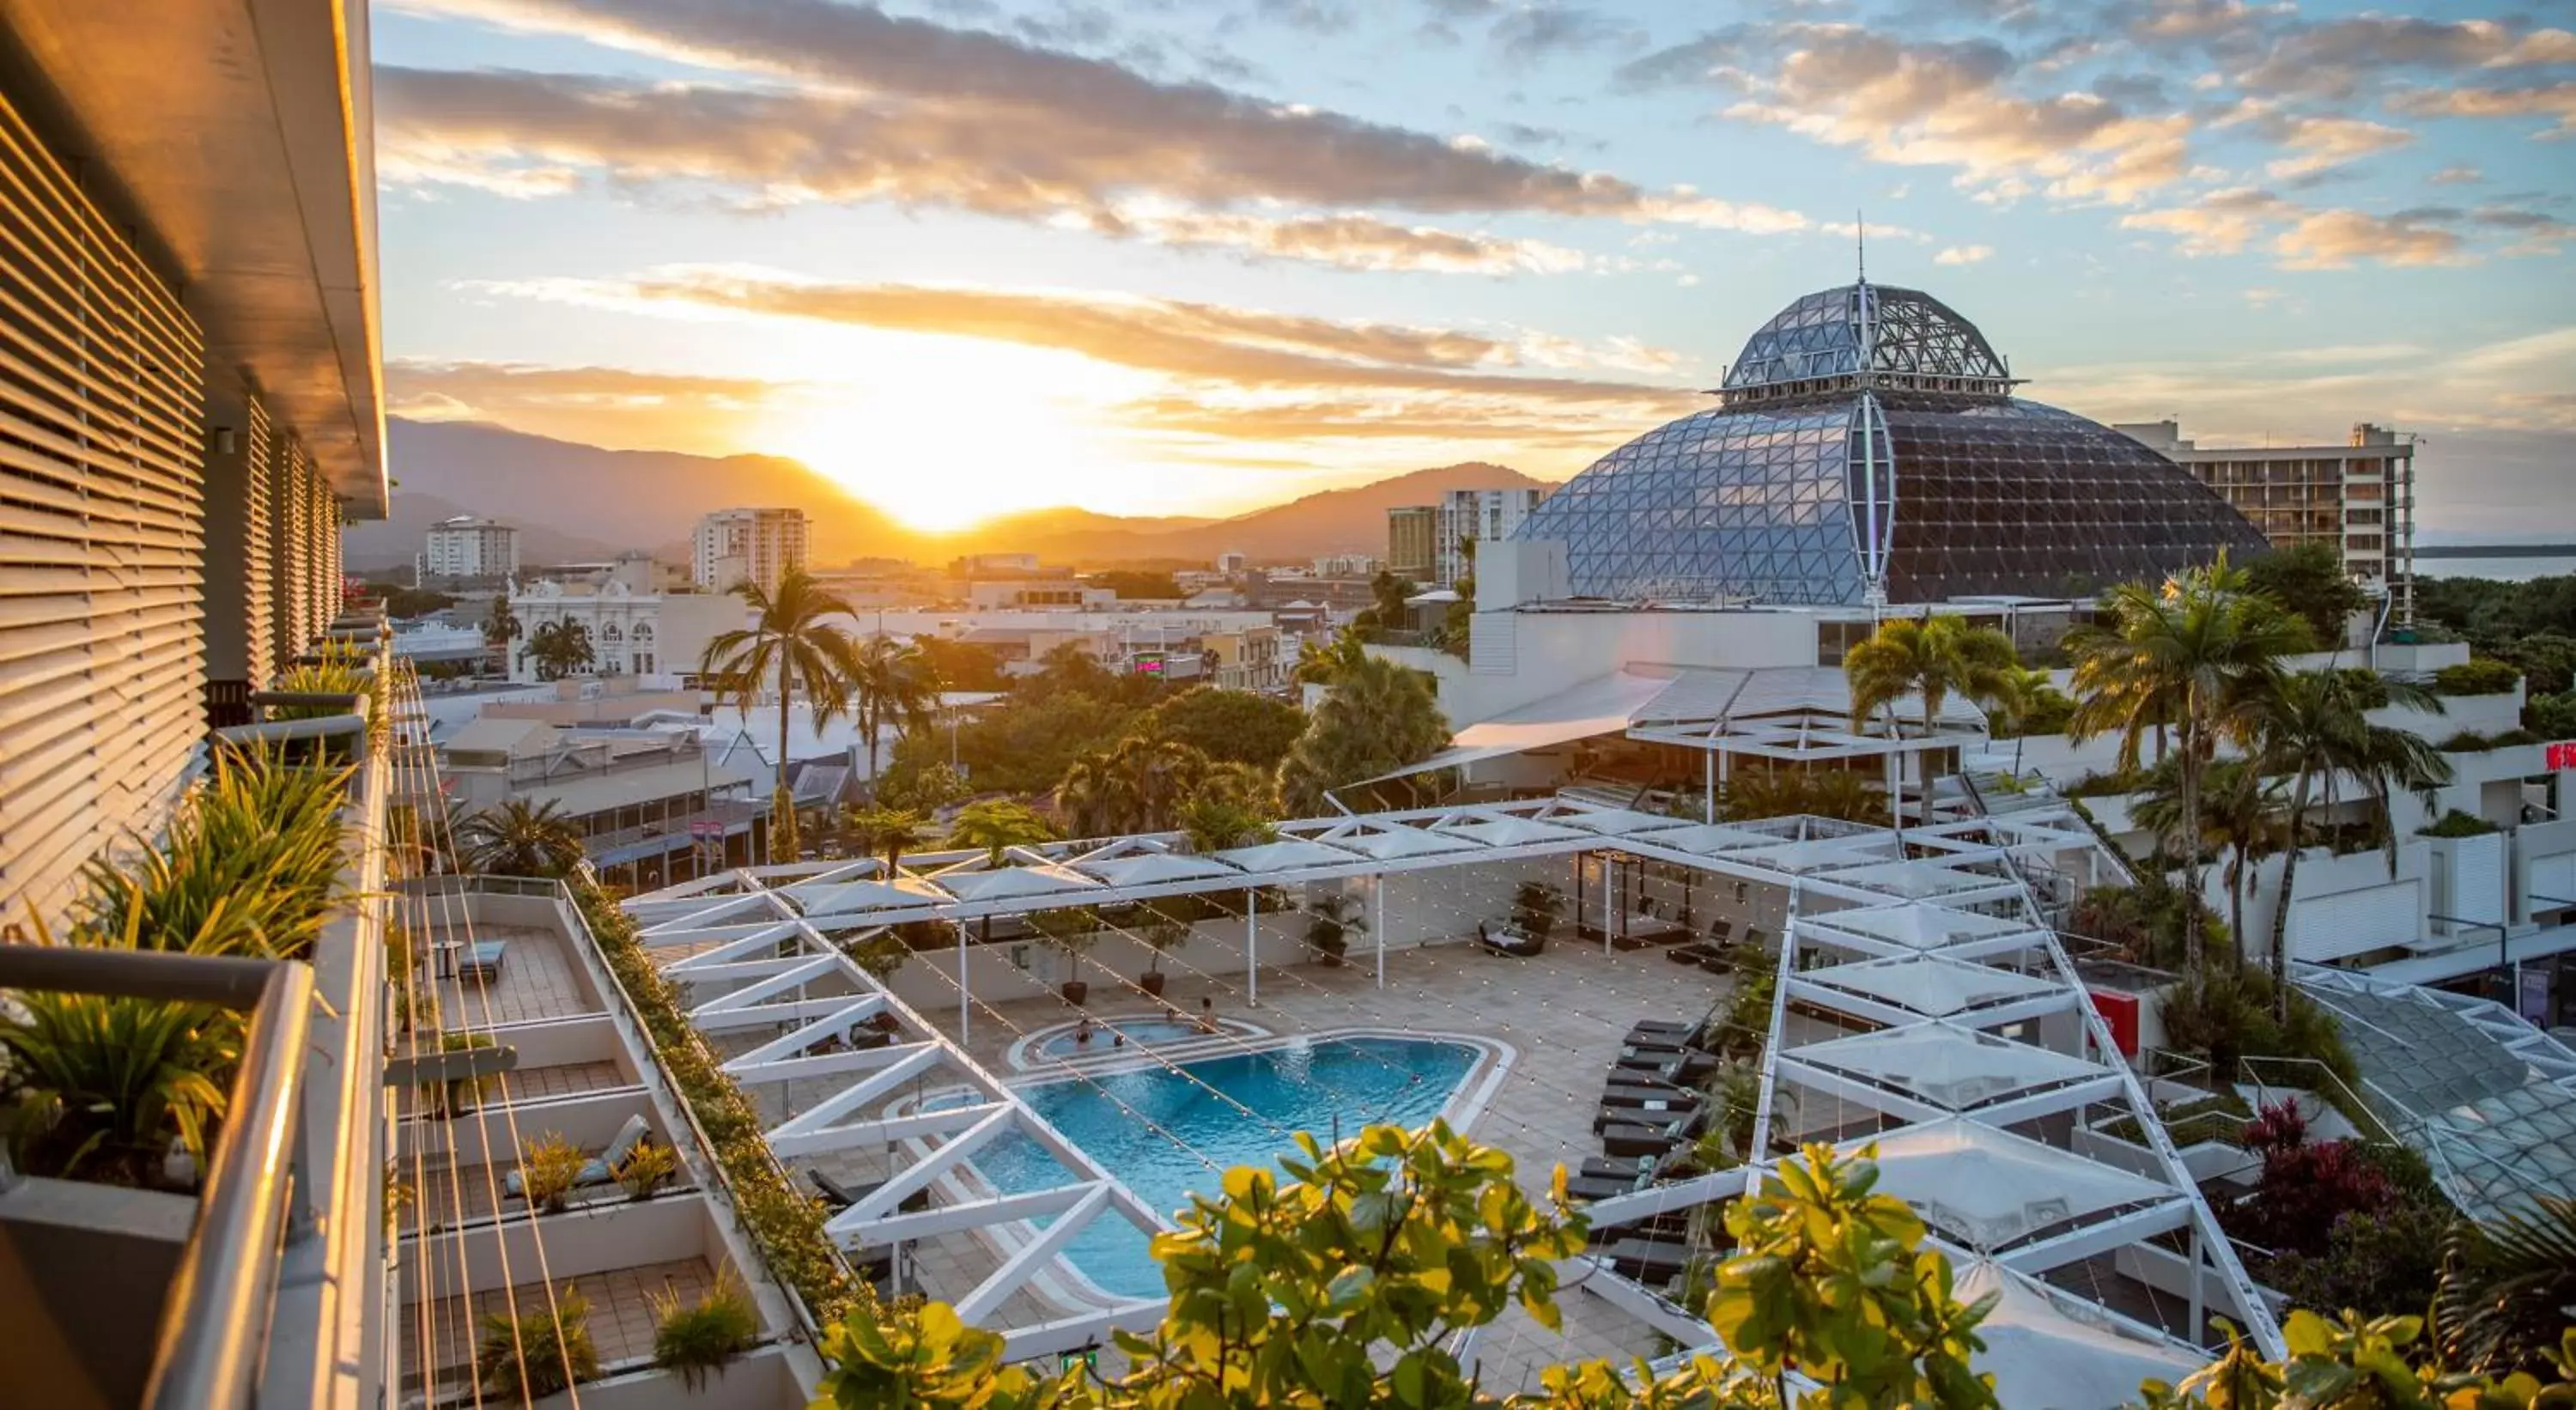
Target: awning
[{"x": 1598, "y": 706}]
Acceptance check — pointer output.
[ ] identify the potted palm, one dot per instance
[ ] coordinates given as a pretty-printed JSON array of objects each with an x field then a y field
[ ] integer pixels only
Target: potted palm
[
  {"x": 1330, "y": 919},
  {"x": 1535, "y": 908},
  {"x": 1163, "y": 934},
  {"x": 1071, "y": 932}
]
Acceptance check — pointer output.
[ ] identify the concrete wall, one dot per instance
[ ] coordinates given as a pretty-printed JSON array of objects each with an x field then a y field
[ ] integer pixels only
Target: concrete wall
[
  {"x": 589, "y": 1121},
  {"x": 599, "y": 1238}
]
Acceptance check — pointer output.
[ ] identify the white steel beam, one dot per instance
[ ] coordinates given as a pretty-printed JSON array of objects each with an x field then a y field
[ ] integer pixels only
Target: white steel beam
[
  {"x": 839, "y": 1020},
  {"x": 916, "y": 1060},
  {"x": 975, "y": 1306},
  {"x": 911, "y": 1181},
  {"x": 797, "y": 1011},
  {"x": 814, "y": 967},
  {"x": 878, "y": 1134},
  {"x": 2076, "y": 1245},
  {"x": 854, "y": 1232}
]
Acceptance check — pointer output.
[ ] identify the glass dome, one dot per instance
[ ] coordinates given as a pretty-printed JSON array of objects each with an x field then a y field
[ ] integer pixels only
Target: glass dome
[{"x": 1867, "y": 438}]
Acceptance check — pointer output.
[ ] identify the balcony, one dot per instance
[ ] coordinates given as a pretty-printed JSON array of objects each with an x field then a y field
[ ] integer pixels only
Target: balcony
[{"x": 257, "y": 1277}]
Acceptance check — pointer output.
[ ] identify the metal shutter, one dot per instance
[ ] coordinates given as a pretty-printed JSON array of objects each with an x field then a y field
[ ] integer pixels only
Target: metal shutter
[{"x": 101, "y": 531}]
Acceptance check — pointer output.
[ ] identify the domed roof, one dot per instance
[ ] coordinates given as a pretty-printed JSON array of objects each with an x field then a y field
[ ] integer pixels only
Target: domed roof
[{"x": 1867, "y": 440}]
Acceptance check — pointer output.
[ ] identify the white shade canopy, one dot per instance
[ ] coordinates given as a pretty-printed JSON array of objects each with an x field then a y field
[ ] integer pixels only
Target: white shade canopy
[
  {"x": 1286, "y": 854},
  {"x": 1820, "y": 853},
  {"x": 2048, "y": 1355},
  {"x": 1916, "y": 927},
  {"x": 1990, "y": 1188},
  {"x": 979, "y": 881},
  {"x": 1933, "y": 985},
  {"x": 1708, "y": 838},
  {"x": 1504, "y": 830},
  {"x": 1150, "y": 868},
  {"x": 1387, "y": 843},
  {"x": 1949, "y": 1066},
  {"x": 1918, "y": 880}
]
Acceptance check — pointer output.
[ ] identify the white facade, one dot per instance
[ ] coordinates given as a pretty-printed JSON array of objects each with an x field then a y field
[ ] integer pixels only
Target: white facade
[
  {"x": 737, "y": 546},
  {"x": 1232, "y": 563},
  {"x": 1345, "y": 565},
  {"x": 468, "y": 547},
  {"x": 1486, "y": 516},
  {"x": 631, "y": 633}
]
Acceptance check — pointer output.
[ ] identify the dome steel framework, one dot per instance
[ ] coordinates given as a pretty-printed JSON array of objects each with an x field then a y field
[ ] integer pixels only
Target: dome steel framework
[{"x": 1867, "y": 444}]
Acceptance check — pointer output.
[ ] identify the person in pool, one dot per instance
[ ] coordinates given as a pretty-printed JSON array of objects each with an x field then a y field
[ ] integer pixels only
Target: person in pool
[
  {"x": 1207, "y": 1014},
  {"x": 1082, "y": 1034}
]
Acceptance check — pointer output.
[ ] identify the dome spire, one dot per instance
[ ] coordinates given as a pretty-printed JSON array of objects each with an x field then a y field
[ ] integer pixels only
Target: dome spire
[{"x": 1860, "y": 244}]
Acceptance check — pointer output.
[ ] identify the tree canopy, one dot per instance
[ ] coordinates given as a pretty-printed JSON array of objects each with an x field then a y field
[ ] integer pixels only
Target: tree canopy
[
  {"x": 1231, "y": 726},
  {"x": 1379, "y": 717}
]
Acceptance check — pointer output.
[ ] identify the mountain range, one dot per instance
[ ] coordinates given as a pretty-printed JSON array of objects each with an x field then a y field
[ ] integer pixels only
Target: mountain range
[{"x": 575, "y": 502}]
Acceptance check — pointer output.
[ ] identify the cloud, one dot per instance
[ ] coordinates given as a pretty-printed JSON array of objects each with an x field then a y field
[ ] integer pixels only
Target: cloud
[
  {"x": 2337, "y": 239},
  {"x": 676, "y": 411},
  {"x": 2322, "y": 143},
  {"x": 1964, "y": 254},
  {"x": 2338, "y": 57},
  {"x": 1543, "y": 30},
  {"x": 2550, "y": 100},
  {"x": 1228, "y": 348},
  {"x": 1349, "y": 241},
  {"x": 854, "y": 104},
  {"x": 2457, "y": 174},
  {"x": 2230, "y": 221},
  {"x": 1929, "y": 103}
]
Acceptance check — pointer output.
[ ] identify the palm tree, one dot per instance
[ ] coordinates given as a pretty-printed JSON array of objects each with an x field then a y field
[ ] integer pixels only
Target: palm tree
[
  {"x": 893, "y": 683},
  {"x": 560, "y": 649},
  {"x": 515, "y": 839},
  {"x": 1135, "y": 785},
  {"x": 790, "y": 638},
  {"x": 1380, "y": 717},
  {"x": 997, "y": 824},
  {"x": 2239, "y": 815},
  {"x": 892, "y": 831},
  {"x": 2507, "y": 1284},
  {"x": 501, "y": 625},
  {"x": 2194, "y": 651},
  {"x": 2313, "y": 726},
  {"x": 1322, "y": 660},
  {"x": 1931, "y": 658}
]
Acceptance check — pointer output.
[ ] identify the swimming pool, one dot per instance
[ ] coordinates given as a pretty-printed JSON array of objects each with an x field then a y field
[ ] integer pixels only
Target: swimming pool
[
  {"x": 1145, "y": 1031},
  {"x": 1315, "y": 1087}
]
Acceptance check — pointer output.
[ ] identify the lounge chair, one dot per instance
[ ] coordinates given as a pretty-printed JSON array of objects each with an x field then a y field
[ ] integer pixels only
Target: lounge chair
[
  {"x": 1646, "y": 1096},
  {"x": 1648, "y": 1260},
  {"x": 1650, "y": 1139},
  {"x": 1609, "y": 1115},
  {"x": 482, "y": 960},
  {"x": 599, "y": 1170},
  {"x": 1679, "y": 1069},
  {"x": 1509, "y": 940},
  {"x": 837, "y": 1196}
]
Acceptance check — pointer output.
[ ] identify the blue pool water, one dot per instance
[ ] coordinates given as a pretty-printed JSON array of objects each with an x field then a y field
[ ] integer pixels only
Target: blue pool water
[
  {"x": 1349, "y": 1082},
  {"x": 1147, "y": 1031}
]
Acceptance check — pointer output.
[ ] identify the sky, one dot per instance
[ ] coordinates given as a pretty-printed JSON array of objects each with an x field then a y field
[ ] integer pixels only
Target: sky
[{"x": 1194, "y": 256}]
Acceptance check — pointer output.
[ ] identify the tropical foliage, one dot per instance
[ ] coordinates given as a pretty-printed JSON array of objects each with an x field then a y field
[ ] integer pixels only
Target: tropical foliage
[
  {"x": 792, "y": 643},
  {"x": 559, "y": 649},
  {"x": 889, "y": 833},
  {"x": 1930, "y": 660},
  {"x": 98, "y": 1086},
  {"x": 893, "y": 684},
  {"x": 336, "y": 671},
  {"x": 2308, "y": 579},
  {"x": 519, "y": 838},
  {"x": 542, "y": 1350},
  {"x": 996, "y": 825},
  {"x": 2190, "y": 652},
  {"x": 251, "y": 863},
  {"x": 1771, "y": 791},
  {"x": 1321, "y": 660},
  {"x": 500, "y": 625},
  {"x": 704, "y": 1337},
  {"x": 1379, "y": 717},
  {"x": 1138, "y": 784},
  {"x": 1229, "y": 726},
  {"x": 2508, "y": 1286}
]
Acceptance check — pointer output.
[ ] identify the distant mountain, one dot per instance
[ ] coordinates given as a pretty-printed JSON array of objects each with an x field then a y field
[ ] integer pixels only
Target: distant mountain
[{"x": 574, "y": 501}]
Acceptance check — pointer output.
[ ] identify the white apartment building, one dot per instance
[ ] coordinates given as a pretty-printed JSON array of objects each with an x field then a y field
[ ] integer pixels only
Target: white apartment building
[
  {"x": 1345, "y": 565},
  {"x": 1486, "y": 516},
  {"x": 468, "y": 548},
  {"x": 737, "y": 546},
  {"x": 2358, "y": 497}
]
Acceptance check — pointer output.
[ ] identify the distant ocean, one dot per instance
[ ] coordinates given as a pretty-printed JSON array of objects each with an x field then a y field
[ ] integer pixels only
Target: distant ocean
[{"x": 2509, "y": 569}]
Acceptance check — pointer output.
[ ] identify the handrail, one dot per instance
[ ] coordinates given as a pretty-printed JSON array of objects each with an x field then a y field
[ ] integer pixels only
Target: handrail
[{"x": 213, "y": 1328}]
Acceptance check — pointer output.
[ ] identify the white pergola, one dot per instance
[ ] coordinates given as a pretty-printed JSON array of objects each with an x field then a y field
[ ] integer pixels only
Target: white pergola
[
  {"x": 1925, "y": 946},
  {"x": 1795, "y": 715}
]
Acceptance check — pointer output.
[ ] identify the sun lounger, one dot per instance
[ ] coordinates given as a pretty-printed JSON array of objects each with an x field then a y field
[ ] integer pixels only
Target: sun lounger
[
  {"x": 1509, "y": 940},
  {"x": 483, "y": 960},
  {"x": 1647, "y": 1098},
  {"x": 1648, "y": 1138},
  {"x": 1648, "y": 1260},
  {"x": 1609, "y": 1115},
  {"x": 599, "y": 1170},
  {"x": 838, "y": 1196}
]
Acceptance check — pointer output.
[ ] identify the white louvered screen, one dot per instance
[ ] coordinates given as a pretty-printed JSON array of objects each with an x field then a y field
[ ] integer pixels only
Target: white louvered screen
[
  {"x": 101, "y": 532},
  {"x": 287, "y": 458},
  {"x": 259, "y": 557}
]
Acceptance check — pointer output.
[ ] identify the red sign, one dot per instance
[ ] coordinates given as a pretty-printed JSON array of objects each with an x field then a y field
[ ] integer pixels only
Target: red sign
[
  {"x": 2120, "y": 1014},
  {"x": 2561, "y": 755}
]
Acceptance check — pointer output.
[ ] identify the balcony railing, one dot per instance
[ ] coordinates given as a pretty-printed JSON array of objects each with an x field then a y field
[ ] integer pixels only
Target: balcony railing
[{"x": 268, "y": 1284}]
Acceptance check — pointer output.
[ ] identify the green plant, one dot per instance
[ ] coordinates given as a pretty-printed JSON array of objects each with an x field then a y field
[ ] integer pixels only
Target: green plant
[
  {"x": 889, "y": 832},
  {"x": 882, "y": 952},
  {"x": 1138, "y": 784},
  {"x": 1536, "y": 907},
  {"x": 1330, "y": 919},
  {"x": 456, "y": 1096},
  {"x": 251, "y": 863},
  {"x": 548, "y": 1169},
  {"x": 707, "y": 1335},
  {"x": 892, "y": 682},
  {"x": 2507, "y": 1285},
  {"x": 996, "y": 825},
  {"x": 2467, "y": 741},
  {"x": 518, "y": 838},
  {"x": 1929, "y": 660},
  {"x": 2455, "y": 823},
  {"x": 2481, "y": 675},
  {"x": 785, "y": 1223},
  {"x": 338, "y": 670},
  {"x": 99, "y": 1086},
  {"x": 1379, "y": 717},
  {"x": 647, "y": 1168},
  {"x": 794, "y": 641},
  {"x": 540, "y": 1352}
]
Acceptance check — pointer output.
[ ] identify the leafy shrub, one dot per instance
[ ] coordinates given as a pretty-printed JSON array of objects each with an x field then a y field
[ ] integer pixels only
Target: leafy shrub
[
  {"x": 455, "y": 1097},
  {"x": 2305, "y": 1186},
  {"x": 1536, "y": 906},
  {"x": 340, "y": 670},
  {"x": 251, "y": 863},
  {"x": 547, "y": 1170},
  {"x": 542, "y": 1351},
  {"x": 706, "y": 1335},
  {"x": 2367, "y": 687},
  {"x": 2551, "y": 716},
  {"x": 647, "y": 1168},
  {"x": 2115, "y": 783},
  {"x": 99, "y": 1085},
  {"x": 2457, "y": 824},
  {"x": 786, "y": 1224},
  {"x": 2467, "y": 741},
  {"x": 2509, "y": 738},
  {"x": 2480, "y": 675}
]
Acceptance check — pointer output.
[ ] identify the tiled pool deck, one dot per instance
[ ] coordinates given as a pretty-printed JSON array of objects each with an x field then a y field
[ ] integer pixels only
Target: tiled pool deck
[{"x": 1562, "y": 1014}]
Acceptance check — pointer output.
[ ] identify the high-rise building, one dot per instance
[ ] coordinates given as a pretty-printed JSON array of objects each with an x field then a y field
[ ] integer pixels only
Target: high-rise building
[
  {"x": 1480, "y": 516},
  {"x": 466, "y": 550},
  {"x": 737, "y": 546},
  {"x": 1412, "y": 541},
  {"x": 2358, "y": 498}
]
